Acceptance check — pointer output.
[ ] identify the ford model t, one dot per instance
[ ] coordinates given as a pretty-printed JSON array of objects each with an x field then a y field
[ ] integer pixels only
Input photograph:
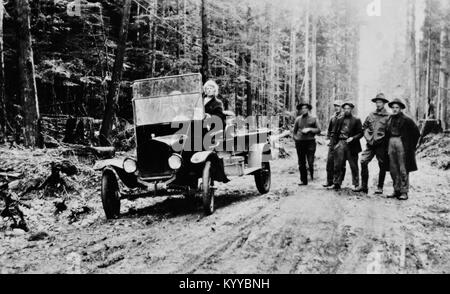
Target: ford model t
[{"x": 171, "y": 154}]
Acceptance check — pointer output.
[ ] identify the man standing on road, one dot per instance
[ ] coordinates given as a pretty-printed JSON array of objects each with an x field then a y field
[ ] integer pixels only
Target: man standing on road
[
  {"x": 374, "y": 129},
  {"x": 330, "y": 158},
  {"x": 305, "y": 130},
  {"x": 346, "y": 139},
  {"x": 403, "y": 135}
]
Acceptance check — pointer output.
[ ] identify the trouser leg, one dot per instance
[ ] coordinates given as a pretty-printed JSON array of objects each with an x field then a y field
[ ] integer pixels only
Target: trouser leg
[
  {"x": 403, "y": 172},
  {"x": 382, "y": 158},
  {"x": 301, "y": 153},
  {"x": 353, "y": 161},
  {"x": 311, "y": 153},
  {"x": 339, "y": 163},
  {"x": 394, "y": 165},
  {"x": 366, "y": 158},
  {"x": 344, "y": 170},
  {"x": 330, "y": 166}
]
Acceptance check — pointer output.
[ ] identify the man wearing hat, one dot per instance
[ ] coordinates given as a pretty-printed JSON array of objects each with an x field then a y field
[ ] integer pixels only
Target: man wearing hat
[
  {"x": 403, "y": 135},
  {"x": 305, "y": 130},
  {"x": 330, "y": 158},
  {"x": 374, "y": 129},
  {"x": 347, "y": 134}
]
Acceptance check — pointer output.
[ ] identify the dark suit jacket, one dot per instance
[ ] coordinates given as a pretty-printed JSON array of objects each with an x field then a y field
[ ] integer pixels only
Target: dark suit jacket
[
  {"x": 215, "y": 107},
  {"x": 410, "y": 137},
  {"x": 356, "y": 132}
]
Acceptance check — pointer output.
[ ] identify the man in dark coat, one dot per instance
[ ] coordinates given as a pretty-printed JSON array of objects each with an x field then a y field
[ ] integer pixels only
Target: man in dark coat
[
  {"x": 346, "y": 139},
  {"x": 330, "y": 158},
  {"x": 305, "y": 130},
  {"x": 403, "y": 135},
  {"x": 374, "y": 129}
]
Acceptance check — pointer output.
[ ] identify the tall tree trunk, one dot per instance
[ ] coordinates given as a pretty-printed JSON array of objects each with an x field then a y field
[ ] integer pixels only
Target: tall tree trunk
[
  {"x": 114, "y": 87},
  {"x": 445, "y": 117},
  {"x": 413, "y": 57},
  {"x": 2, "y": 79},
  {"x": 428, "y": 78},
  {"x": 314, "y": 64},
  {"x": 153, "y": 31},
  {"x": 306, "y": 82},
  {"x": 248, "y": 59},
  {"x": 185, "y": 32},
  {"x": 443, "y": 79},
  {"x": 28, "y": 92},
  {"x": 441, "y": 91},
  {"x": 293, "y": 61},
  {"x": 205, "y": 48}
]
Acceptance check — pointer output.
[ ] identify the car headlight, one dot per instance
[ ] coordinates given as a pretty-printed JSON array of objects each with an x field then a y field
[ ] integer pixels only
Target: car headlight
[
  {"x": 175, "y": 161},
  {"x": 129, "y": 165}
]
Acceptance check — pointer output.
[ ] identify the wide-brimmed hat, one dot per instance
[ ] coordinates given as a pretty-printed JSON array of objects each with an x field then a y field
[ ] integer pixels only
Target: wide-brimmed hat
[
  {"x": 380, "y": 97},
  {"x": 349, "y": 103},
  {"x": 299, "y": 107},
  {"x": 399, "y": 102},
  {"x": 338, "y": 103}
]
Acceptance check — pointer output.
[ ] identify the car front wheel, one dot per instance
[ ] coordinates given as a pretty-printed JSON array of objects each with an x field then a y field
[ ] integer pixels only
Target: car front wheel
[
  {"x": 208, "y": 189},
  {"x": 110, "y": 195}
]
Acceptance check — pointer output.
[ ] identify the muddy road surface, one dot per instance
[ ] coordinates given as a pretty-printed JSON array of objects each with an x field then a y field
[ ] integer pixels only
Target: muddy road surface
[{"x": 292, "y": 230}]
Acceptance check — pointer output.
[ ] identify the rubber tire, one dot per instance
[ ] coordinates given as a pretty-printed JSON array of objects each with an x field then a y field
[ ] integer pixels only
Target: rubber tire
[
  {"x": 207, "y": 191},
  {"x": 263, "y": 179},
  {"x": 110, "y": 195}
]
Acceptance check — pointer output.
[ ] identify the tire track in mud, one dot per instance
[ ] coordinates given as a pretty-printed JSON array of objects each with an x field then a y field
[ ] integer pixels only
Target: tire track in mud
[
  {"x": 234, "y": 240},
  {"x": 304, "y": 254}
]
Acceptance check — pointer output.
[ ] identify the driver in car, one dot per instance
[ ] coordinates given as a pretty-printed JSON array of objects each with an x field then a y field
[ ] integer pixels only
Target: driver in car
[{"x": 213, "y": 106}]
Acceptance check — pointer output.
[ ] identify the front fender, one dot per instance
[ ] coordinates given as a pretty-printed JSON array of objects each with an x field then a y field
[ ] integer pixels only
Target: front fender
[
  {"x": 115, "y": 162},
  {"x": 116, "y": 166},
  {"x": 201, "y": 157},
  {"x": 218, "y": 172}
]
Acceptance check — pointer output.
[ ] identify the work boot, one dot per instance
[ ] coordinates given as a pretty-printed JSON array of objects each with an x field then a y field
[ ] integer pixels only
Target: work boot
[
  {"x": 361, "y": 190},
  {"x": 394, "y": 195},
  {"x": 327, "y": 185},
  {"x": 335, "y": 187},
  {"x": 303, "y": 184},
  {"x": 379, "y": 191},
  {"x": 403, "y": 197}
]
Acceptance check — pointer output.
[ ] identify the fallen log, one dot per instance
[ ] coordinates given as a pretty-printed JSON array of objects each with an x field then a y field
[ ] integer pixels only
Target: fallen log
[
  {"x": 81, "y": 150},
  {"x": 10, "y": 175}
]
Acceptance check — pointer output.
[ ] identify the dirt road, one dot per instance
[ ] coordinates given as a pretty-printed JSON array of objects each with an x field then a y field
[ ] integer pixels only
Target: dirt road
[{"x": 293, "y": 229}]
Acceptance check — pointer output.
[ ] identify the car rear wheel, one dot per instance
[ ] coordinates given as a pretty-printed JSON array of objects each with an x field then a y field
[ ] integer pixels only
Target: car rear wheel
[
  {"x": 263, "y": 179},
  {"x": 110, "y": 195},
  {"x": 208, "y": 189}
]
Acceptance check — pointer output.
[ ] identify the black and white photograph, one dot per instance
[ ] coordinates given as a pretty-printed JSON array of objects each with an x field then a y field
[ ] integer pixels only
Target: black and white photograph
[{"x": 196, "y": 138}]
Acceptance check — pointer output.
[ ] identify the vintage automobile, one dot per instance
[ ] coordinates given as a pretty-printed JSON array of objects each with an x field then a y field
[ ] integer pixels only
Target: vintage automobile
[{"x": 169, "y": 119}]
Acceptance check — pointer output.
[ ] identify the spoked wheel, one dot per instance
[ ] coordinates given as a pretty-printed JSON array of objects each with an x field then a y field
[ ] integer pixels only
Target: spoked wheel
[
  {"x": 263, "y": 178},
  {"x": 110, "y": 195},
  {"x": 208, "y": 189}
]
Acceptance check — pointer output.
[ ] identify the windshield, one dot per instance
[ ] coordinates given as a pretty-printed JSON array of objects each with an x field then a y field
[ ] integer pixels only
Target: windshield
[
  {"x": 168, "y": 99},
  {"x": 167, "y": 86},
  {"x": 177, "y": 108}
]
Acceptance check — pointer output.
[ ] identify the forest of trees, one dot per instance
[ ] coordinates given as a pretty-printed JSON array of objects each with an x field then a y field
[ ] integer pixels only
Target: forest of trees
[
  {"x": 78, "y": 58},
  {"x": 419, "y": 68}
]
